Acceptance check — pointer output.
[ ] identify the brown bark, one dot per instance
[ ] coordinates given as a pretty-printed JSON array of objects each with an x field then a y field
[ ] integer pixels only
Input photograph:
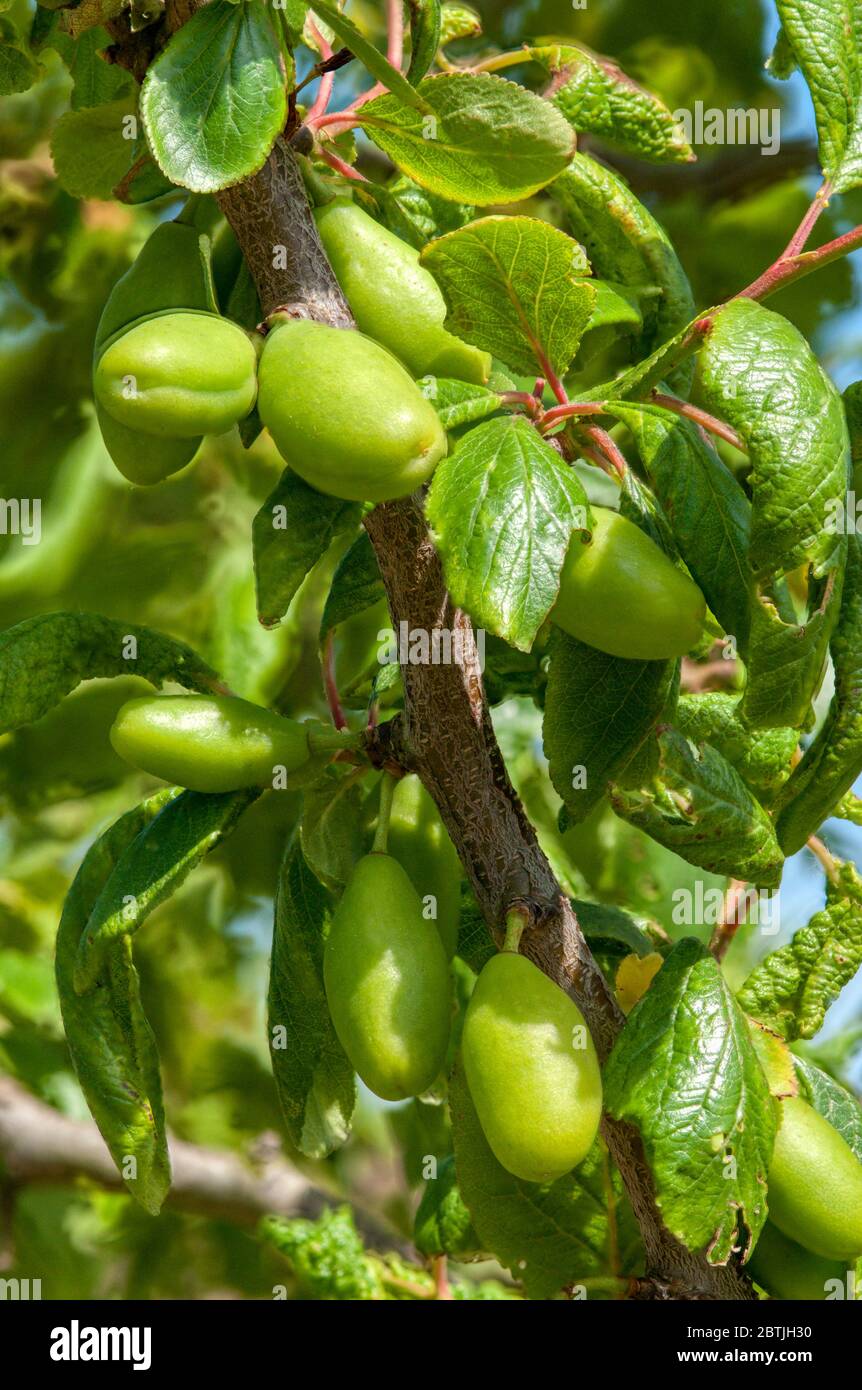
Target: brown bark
[{"x": 268, "y": 213}]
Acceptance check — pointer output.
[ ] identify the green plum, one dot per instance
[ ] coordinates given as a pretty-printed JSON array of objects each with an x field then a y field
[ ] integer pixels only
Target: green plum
[
  {"x": 787, "y": 1270},
  {"x": 393, "y": 298},
  {"x": 621, "y": 594},
  {"x": 532, "y": 1070},
  {"x": 387, "y": 981},
  {"x": 208, "y": 743},
  {"x": 345, "y": 414},
  {"x": 178, "y": 376},
  {"x": 418, "y": 840},
  {"x": 815, "y": 1184}
]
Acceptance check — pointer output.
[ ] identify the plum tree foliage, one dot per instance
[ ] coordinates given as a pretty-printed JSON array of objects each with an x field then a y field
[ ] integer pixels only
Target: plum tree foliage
[{"x": 395, "y": 324}]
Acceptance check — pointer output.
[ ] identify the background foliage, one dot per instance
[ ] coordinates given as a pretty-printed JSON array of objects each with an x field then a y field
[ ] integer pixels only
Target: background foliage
[{"x": 177, "y": 558}]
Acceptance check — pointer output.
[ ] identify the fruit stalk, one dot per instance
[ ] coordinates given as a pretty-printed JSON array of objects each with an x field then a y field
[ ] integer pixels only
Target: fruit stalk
[{"x": 381, "y": 834}]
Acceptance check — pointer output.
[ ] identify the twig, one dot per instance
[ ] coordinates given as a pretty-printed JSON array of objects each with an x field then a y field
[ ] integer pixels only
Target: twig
[
  {"x": 605, "y": 445},
  {"x": 564, "y": 412},
  {"x": 530, "y": 403},
  {"x": 799, "y": 240},
  {"x": 341, "y": 166},
  {"x": 823, "y": 856},
  {"x": 786, "y": 271},
  {"x": 324, "y": 93},
  {"x": 333, "y": 698},
  {"x": 395, "y": 30},
  {"x": 440, "y": 1271},
  {"x": 730, "y": 918},
  {"x": 701, "y": 417},
  {"x": 599, "y": 459}
]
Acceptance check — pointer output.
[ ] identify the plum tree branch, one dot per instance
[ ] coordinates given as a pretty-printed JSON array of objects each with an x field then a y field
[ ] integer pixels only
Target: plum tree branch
[
  {"x": 39, "y": 1145},
  {"x": 445, "y": 732}
]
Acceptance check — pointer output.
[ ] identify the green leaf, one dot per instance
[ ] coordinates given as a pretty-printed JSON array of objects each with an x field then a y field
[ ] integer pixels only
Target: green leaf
[
  {"x": 327, "y": 1255},
  {"x": 599, "y": 710},
  {"x": 95, "y": 81},
  {"x": 547, "y": 1235},
  {"x": 699, "y": 806},
  {"x": 480, "y": 139},
  {"x": 638, "y": 503},
  {"x": 154, "y": 866},
  {"x": 443, "y": 1225},
  {"x": 705, "y": 505},
  {"x": 475, "y": 945},
  {"x": 295, "y": 13},
  {"x": 781, "y": 62},
  {"x": 831, "y": 1100},
  {"x": 787, "y": 655},
  {"x": 412, "y": 212},
  {"x": 422, "y": 1130},
  {"x": 376, "y": 63},
  {"x": 459, "y": 402},
  {"x": 213, "y": 103},
  {"x": 44, "y": 658},
  {"x": 852, "y": 400},
  {"x": 685, "y": 1072},
  {"x": 610, "y": 931},
  {"x": 671, "y": 362},
  {"x": 512, "y": 286},
  {"x": 18, "y": 68},
  {"x": 617, "y": 306},
  {"x": 292, "y": 531},
  {"x": 791, "y": 990},
  {"x": 595, "y": 95},
  {"x": 356, "y": 585},
  {"x": 111, "y": 1044},
  {"x": 172, "y": 270},
  {"x": 508, "y": 672},
  {"x": 757, "y": 372},
  {"x": 91, "y": 149},
  {"x": 762, "y": 758},
  {"x": 332, "y": 827},
  {"x": 503, "y": 508},
  {"x": 825, "y": 39},
  {"x": 314, "y": 1079},
  {"x": 628, "y": 246},
  {"x": 833, "y": 761},
  {"x": 426, "y": 25},
  {"x": 849, "y": 808},
  {"x": 459, "y": 22}
]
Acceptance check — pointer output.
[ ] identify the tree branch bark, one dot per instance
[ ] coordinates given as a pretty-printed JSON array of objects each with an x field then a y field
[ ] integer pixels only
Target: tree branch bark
[
  {"x": 39, "y": 1145},
  {"x": 445, "y": 733}
]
